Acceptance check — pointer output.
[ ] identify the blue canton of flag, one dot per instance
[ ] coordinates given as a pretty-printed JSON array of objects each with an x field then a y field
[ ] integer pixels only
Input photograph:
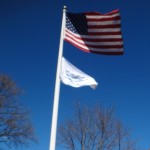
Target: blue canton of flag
[{"x": 77, "y": 23}]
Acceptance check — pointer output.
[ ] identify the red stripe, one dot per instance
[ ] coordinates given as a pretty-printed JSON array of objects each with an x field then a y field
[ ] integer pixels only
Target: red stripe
[
  {"x": 105, "y": 33},
  {"x": 69, "y": 35},
  {"x": 104, "y": 19},
  {"x": 98, "y": 13},
  {"x": 77, "y": 45},
  {"x": 105, "y": 46},
  {"x": 97, "y": 52},
  {"x": 108, "y": 53},
  {"x": 103, "y": 40},
  {"x": 98, "y": 46},
  {"x": 94, "y": 13},
  {"x": 75, "y": 39},
  {"x": 112, "y": 12},
  {"x": 103, "y": 26},
  {"x": 94, "y": 40}
]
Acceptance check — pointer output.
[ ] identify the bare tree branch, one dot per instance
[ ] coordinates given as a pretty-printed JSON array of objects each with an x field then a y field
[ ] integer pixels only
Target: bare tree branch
[
  {"x": 94, "y": 128},
  {"x": 15, "y": 126}
]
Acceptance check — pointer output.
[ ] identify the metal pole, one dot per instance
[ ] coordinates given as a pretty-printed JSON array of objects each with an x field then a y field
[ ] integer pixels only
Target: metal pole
[{"x": 57, "y": 86}]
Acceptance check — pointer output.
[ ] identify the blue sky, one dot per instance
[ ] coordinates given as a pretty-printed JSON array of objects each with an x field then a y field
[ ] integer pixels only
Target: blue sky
[{"x": 29, "y": 42}]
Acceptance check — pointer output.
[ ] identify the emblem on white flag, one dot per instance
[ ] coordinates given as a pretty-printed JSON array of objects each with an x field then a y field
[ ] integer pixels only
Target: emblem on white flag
[{"x": 70, "y": 75}]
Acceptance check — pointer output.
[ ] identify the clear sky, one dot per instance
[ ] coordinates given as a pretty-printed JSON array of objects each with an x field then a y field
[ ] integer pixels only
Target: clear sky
[{"x": 29, "y": 42}]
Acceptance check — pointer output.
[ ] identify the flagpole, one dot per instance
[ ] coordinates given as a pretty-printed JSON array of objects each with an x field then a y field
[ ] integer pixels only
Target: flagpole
[{"x": 57, "y": 86}]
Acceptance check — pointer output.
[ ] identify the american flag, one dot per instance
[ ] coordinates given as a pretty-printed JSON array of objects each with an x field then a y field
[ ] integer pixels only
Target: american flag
[{"x": 95, "y": 32}]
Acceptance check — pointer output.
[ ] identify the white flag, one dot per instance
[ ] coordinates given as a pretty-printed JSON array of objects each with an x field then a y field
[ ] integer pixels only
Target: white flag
[{"x": 70, "y": 75}]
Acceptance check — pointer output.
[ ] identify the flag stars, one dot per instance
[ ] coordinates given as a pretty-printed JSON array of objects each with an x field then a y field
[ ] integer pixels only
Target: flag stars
[{"x": 77, "y": 23}]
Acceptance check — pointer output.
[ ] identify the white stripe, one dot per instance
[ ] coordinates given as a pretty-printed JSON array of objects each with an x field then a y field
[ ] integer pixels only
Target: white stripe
[
  {"x": 97, "y": 49},
  {"x": 74, "y": 38},
  {"x": 105, "y": 30},
  {"x": 93, "y": 36},
  {"x": 107, "y": 50},
  {"x": 101, "y": 36},
  {"x": 93, "y": 43},
  {"x": 104, "y": 22},
  {"x": 102, "y": 16},
  {"x": 94, "y": 49},
  {"x": 104, "y": 43},
  {"x": 80, "y": 45}
]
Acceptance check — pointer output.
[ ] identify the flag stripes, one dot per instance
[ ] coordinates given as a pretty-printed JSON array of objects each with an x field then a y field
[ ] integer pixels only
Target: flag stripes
[{"x": 101, "y": 33}]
